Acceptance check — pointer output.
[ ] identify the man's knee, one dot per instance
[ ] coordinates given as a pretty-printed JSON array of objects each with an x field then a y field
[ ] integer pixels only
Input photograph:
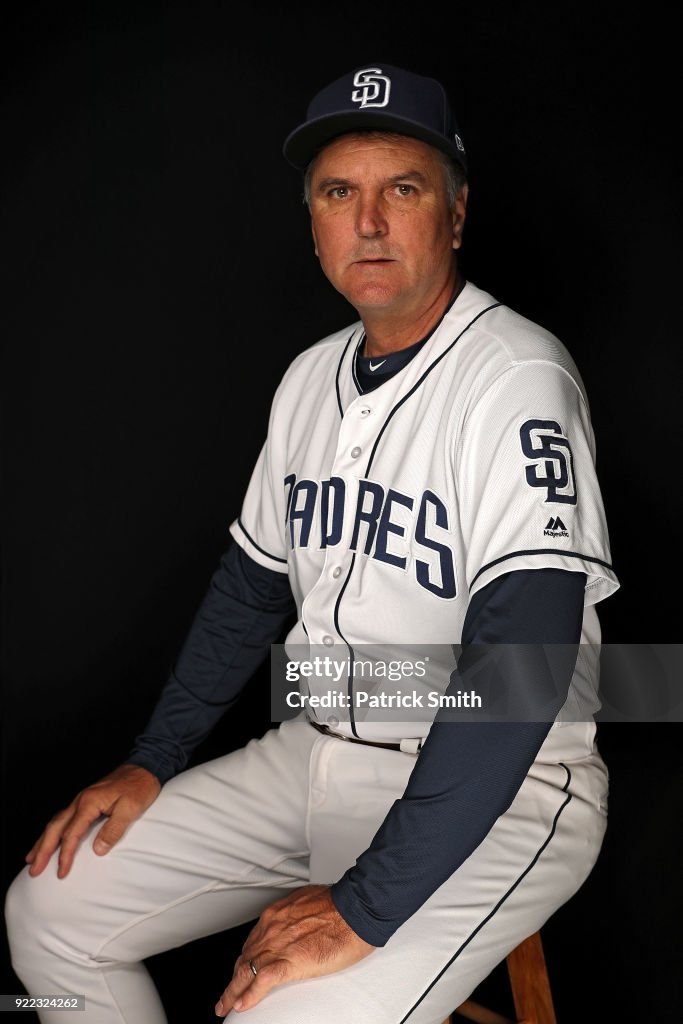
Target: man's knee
[
  {"x": 22, "y": 916},
  {"x": 36, "y": 910}
]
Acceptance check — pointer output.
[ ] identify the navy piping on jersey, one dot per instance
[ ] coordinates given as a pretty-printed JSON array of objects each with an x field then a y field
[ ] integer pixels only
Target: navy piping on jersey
[
  {"x": 258, "y": 546},
  {"x": 336, "y": 379},
  {"x": 352, "y": 655},
  {"x": 565, "y": 789},
  {"x": 421, "y": 380},
  {"x": 359, "y": 388},
  {"x": 539, "y": 551}
]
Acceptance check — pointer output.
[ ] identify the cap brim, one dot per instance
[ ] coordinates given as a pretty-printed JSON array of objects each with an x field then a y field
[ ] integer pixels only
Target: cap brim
[{"x": 303, "y": 143}]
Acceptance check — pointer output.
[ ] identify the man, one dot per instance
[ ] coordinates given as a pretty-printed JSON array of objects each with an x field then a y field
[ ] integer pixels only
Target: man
[{"x": 427, "y": 479}]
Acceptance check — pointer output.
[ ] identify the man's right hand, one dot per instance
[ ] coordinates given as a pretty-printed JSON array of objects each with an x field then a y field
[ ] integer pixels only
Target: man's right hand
[{"x": 122, "y": 796}]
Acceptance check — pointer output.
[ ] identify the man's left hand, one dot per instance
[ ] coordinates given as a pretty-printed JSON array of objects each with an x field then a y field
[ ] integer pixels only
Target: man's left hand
[{"x": 300, "y": 936}]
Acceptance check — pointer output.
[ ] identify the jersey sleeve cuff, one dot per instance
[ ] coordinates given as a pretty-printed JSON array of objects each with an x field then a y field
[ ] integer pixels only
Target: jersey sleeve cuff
[
  {"x": 601, "y": 580},
  {"x": 142, "y": 760},
  {"x": 255, "y": 550},
  {"x": 349, "y": 907}
]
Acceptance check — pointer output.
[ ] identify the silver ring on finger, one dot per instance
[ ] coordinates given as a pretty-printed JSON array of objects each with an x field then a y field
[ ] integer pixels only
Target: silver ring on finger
[{"x": 254, "y": 968}]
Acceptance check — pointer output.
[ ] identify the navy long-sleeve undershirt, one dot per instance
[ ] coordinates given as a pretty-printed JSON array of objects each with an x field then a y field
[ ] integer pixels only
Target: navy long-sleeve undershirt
[
  {"x": 241, "y": 615},
  {"x": 467, "y": 773}
]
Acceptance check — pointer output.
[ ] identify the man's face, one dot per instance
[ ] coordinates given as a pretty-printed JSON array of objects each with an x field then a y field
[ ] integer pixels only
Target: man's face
[{"x": 381, "y": 224}]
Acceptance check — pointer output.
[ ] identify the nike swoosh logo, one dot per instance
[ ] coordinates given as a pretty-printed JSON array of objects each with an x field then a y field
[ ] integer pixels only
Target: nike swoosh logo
[{"x": 377, "y": 366}]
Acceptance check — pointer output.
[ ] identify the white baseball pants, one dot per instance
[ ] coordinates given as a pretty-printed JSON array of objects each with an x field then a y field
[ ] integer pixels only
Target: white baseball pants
[{"x": 228, "y": 837}]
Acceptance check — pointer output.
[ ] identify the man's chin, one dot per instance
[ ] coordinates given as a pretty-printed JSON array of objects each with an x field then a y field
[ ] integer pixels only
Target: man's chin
[{"x": 372, "y": 297}]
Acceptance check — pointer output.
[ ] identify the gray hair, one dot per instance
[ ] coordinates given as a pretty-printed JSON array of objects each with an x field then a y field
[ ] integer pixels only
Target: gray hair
[{"x": 454, "y": 171}]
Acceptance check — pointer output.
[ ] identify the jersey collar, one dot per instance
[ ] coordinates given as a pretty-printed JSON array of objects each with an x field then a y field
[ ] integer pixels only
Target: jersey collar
[{"x": 466, "y": 306}]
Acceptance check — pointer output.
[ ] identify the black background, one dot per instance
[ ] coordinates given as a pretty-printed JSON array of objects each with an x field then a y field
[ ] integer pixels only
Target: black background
[{"x": 159, "y": 276}]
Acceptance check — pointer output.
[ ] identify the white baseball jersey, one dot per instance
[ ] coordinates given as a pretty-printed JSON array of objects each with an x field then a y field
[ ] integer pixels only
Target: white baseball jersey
[{"x": 390, "y": 509}]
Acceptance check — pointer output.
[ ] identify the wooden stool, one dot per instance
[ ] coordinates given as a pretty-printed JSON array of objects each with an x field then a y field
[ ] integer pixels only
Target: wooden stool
[{"x": 530, "y": 989}]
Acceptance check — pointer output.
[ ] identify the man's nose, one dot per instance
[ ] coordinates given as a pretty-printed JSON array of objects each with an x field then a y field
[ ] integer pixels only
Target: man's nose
[{"x": 370, "y": 219}]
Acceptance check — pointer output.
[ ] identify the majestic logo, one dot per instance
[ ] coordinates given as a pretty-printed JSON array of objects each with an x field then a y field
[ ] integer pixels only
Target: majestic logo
[
  {"x": 544, "y": 443},
  {"x": 458, "y": 142},
  {"x": 371, "y": 88},
  {"x": 555, "y": 528},
  {"x": 377, "y": 365}
]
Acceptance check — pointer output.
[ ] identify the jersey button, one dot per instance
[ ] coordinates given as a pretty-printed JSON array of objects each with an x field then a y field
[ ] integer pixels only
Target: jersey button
[
  {"x": 365, "y": 411},
  {"x": 336, "y": 571},
  {"x": 328, "y": 641},
  {"x": 355, "y": 452}
]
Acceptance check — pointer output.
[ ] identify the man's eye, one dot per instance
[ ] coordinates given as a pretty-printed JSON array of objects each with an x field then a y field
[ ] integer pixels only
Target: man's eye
[
  {"x": 338, "y": 190},
  {"x": 405, "y": 190}
]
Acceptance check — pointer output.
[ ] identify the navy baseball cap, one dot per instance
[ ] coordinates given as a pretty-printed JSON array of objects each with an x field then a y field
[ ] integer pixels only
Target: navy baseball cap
[{"x": 377, "y": 96}]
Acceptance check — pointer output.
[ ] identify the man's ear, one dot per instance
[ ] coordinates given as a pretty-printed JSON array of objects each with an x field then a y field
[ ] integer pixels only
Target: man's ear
[
  {"x": 458, "y": 214},
  {"x": 315, "y": 240}
]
